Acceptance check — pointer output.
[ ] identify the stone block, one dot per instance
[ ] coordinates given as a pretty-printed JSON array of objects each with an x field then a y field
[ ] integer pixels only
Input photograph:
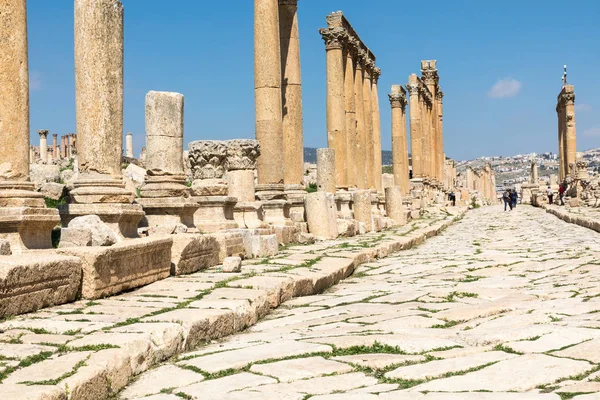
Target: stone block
[
  {"x": 126, "y": 265},
  {"x": 34, "y": 281},
  {"x": 231, "y": 244},
  {"x": 347, "y": 227},
  {"x": 286, "y": 234},
  {"x": 53, "y": 190},
  {"x": 264, "y": 246},
  {"x": 232, "y": 264},
  {"x": 102, "y": 235},
  {"x": 209, "y": 187},
  {"x": 75, "y": 237},
  {"x": 42, "y": 173},
  {"x": 192, "y": 253}
]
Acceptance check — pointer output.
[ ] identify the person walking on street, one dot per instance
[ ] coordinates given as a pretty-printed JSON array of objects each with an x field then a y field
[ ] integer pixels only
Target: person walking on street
[
  {"x": 561, "y": 193},
  {"x": 506, "y": 198},
  {"x": 550, "y": 195},
  {"x": 514, "y": 197}
]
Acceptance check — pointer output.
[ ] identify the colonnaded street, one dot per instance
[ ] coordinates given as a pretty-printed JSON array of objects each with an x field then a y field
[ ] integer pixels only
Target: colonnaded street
[{"x": 502, "y": 305}]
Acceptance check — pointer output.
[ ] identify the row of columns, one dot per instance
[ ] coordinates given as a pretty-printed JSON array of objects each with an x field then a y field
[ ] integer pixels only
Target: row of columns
[
  {"x": 353, "y": 115},
  {"x": 426, "y": 124},
  {"x": 567, "y": 133},
  {"x": 278, "y": 93},
  {"x": 57, "y": 152}
]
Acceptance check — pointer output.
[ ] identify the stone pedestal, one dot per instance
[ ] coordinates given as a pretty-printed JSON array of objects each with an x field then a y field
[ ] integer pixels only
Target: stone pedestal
[
  {"x": 394, "y": 206},
  {"x": 344, "y": 205},
  {"x": 326, "y": 171},
  {"x": 249, "y": 215},
  {"x": 295, "y": 195},
  {"x": 240, "y": 185},
  {"x": 363, "y": 209},
  {"x": 215, "y": 213},
  {"x": 121, "y": 218},
  {"x": 321, "y": 214}
]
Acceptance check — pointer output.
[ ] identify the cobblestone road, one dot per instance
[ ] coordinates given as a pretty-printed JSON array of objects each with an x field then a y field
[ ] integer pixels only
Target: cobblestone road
[{"x": 500, "y": 306}]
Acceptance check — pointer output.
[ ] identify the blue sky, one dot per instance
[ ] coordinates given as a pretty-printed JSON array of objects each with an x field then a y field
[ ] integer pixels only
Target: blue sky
[{"x": 204, "y": 49}]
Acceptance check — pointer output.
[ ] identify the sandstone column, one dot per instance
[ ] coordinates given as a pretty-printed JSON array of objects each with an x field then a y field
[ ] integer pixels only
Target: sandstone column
[
  {"x": 267, "y": 84},
  {"x": 99, "y": 116},
  {"x": 370, "y": 144},
  {"x": 363, "y": 211},
  {"x": 416, "y": 141},
  {"x": 350, "y": 104},
  {"x": 70, "y": 145},
  {"x": 377, "y": 163},
  {"x": 561, "y": 144},
  {"x": 55, "y": 154},
  {"x": 570, "y": 139},
  {"x": 129, "y": 145},
  {"x": 326, "y": 181},
  {"x": 336, "y": 108},
  {"x": 440, "y": 135},
  {"x": 164, "y": 196},
  {"x": 291, "y": 91},
  {"x": 44, "y": 145},
  {"x": 321, "y": 215},
  {"x": 399, "y": 142},
  {"x": 24, "y": 220},
  {"x": 393, "y": 204},
  {"x": 361, "y": 134}
]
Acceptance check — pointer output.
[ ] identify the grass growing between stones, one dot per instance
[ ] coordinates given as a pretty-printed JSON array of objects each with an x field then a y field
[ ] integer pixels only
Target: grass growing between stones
[
  {"x": 26, "y": 362},
  {"x": 52, "y": 382}
]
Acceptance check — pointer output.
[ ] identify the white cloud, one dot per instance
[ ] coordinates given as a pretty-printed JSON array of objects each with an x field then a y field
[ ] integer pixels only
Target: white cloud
[
  {"x": 592, "y": 132},
  {"x": 35, "y": 81},
  {"x": 583, "y": 107},
  {"x": 508, "y": 87}
]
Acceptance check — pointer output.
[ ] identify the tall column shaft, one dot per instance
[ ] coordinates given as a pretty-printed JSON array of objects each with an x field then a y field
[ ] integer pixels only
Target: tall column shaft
[
  {"x": 267, "y": 84},
  {"x": 164, "y": 133},
  {"x": 426, "y": 139},
  {"x": 43, "y": 146},
  {"x": 291, "y": 93},
  {"x": 440, "y": 137},
  {"x": 99, "y": 85},
  {"x": 399, "y": 142},
  {"x": 351, "y": 131},
  {"x": 14, "y": 92},
  {"x": 561, "y": 163},
  {"x": 370, "y": 143},
  {"x": 336, "y": 107},
  {"x": 377, "y": 159},
  {"x": 361, "y": 144},
  {"x": 416, "y": 143},
  {"x": 129, "y": 145},
  {"x": 55, "y": 154},
  {"x": 570, "y": 134}
]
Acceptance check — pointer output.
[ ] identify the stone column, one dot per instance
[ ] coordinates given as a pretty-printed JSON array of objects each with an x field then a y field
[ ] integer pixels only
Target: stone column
[
  {"x": 44, "y": 145},
  {"x": 326, "y": 170},
  {"x": 350, "y": 105},
  {"x": 55, "y": 153},
  {"x": 570, "y": 136},
  {"x": 393, "y": 205},
  {"x": 416, "y": 142},
  {"x": 291, "y": 91},
  {"x": 440, "y": 135},
  {"x": 267, "y": 84},
  {"x": 99, "y": 116},
  {"x": 129, "y": 145},
  {"x": 370, "y": 144},
  {"x": 321, "y": 215},
  {"x": 377, "y": 163},
  {"x": 70, "y": 145},
  {"x": 426, "y": 137},
  {"x": 24, "y": 220},
  {"x": 336, "y": 108},
  {"x": 363, "y": 211},
  {"x": 561, "y": 162},
  {"x": 361, "y": 134},
  {"x": 399, "y": 142}
]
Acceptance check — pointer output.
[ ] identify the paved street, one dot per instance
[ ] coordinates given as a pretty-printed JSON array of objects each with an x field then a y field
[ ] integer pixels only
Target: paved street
[{"x": 500, "y": 302}]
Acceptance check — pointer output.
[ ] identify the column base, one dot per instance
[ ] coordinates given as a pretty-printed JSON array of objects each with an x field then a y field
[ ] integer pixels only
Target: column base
[
  {"x": 270, "y": 191},
  {"x": 249, "y": 215},
  {"x": 168, "y": 211},
  {"x": 274, "y": 212},
  {"x": 295, "y": 195},
  {"x": 215, "y": 213},
  {"x": 343, "y": 202},
  {"x": 123, "y": 219},
  {"x": 28, "y": 228},
  {"x": 100, "y": 190},
  {"x": 165, "y": 186}
]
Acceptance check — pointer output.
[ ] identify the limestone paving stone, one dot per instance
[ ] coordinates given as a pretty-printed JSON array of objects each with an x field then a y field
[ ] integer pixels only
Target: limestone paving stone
[
  {"x": 154, "y": 381},
  {"x": 48, "y": 370},
  {"x": 379, "y": 361},
  {"x": 303, "y": 368}
]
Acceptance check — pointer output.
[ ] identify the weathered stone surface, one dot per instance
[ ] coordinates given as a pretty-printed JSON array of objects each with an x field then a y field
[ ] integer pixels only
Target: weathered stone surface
[
  {"x": 321, "y": 215},
  {"x": 5, "y": 248},
  {"x": 207, "y": 158},
  {"x": 209, "y": 187},
  {"x": 232, "y": 264},
  {"x": 48, "y": 370},
  {"x": 303, "y": 368},
  {"x": 168, "y": 376},
  {"x": 75, "y": 237},
  {"x": 264, "y": 246},
  {"x": 242, "y": 154},
  {"x": 193, "y": 253},
  {"x": 220, "y": 388},
  {"x": 35, "y": 281},
  {"x": 102, "y": 235},
  {"x": 127, "y": 265},
  {"x": 52, "y": 190},
  {"x": 379, "y": 361},
  {"x": 42, "y": 173}
]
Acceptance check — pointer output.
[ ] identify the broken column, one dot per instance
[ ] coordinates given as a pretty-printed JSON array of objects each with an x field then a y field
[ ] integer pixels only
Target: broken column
[
  {"x": 44, "y": 145},
  {"x": 24, "y": 220},
  {"x": 240, "y": 166},
  {"x": 99, "y": 188},
  {"x": 326, "y": 177},
  {"x": 164, "y": 196},
  {"x": 363, "y": 209},
  {"x": 129, "y": 145},
  {"x": 321, "y": 215},
  {"x": 400, "y": 165},
  {"x": 393, "y": 205}
]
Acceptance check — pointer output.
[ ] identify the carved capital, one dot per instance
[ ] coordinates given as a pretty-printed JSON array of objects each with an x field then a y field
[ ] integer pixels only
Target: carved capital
[
  {"x": 398, "y": 100},
  {"x": 426, "y": 95},
  {"x": 55, "y": 135},
  {"x": 567, "y": 99},
  {"x": 430, "y": 76},
  {"x": 439, "y": 96},
  {"x": 412, "y": 89},
  {"x": 43, "y": 133},
  {"x": 375, "y": 74},
  {"x": 334, "y": 38}
]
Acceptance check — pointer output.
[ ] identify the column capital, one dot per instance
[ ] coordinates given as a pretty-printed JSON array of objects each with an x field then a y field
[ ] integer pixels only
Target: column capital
[
  {"x": 439, "y": 96},
  {"x": 376, "y": 74},
  {"x": 398, "y": 100},
  {"x": 55, "y": 135},
  {"x": 288, "y": 3},
  {"x": 430, "y": 76},
  {"x": 43, "y": 133},
  {"x": 412, "y": 89},
  {"x": 334, "y": 38},
  {"x": 129, "y": 134},
  {"x": 567, "y": 99}
]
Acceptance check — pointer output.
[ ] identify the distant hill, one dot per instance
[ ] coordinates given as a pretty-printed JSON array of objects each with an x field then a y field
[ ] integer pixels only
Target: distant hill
[{"x": 310, "y": 156}]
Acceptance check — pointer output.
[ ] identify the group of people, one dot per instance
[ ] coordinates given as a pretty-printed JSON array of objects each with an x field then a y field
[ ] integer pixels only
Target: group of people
[
  {"x": 561, "y": 194},
  {"x": 510, "y": 198}
]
